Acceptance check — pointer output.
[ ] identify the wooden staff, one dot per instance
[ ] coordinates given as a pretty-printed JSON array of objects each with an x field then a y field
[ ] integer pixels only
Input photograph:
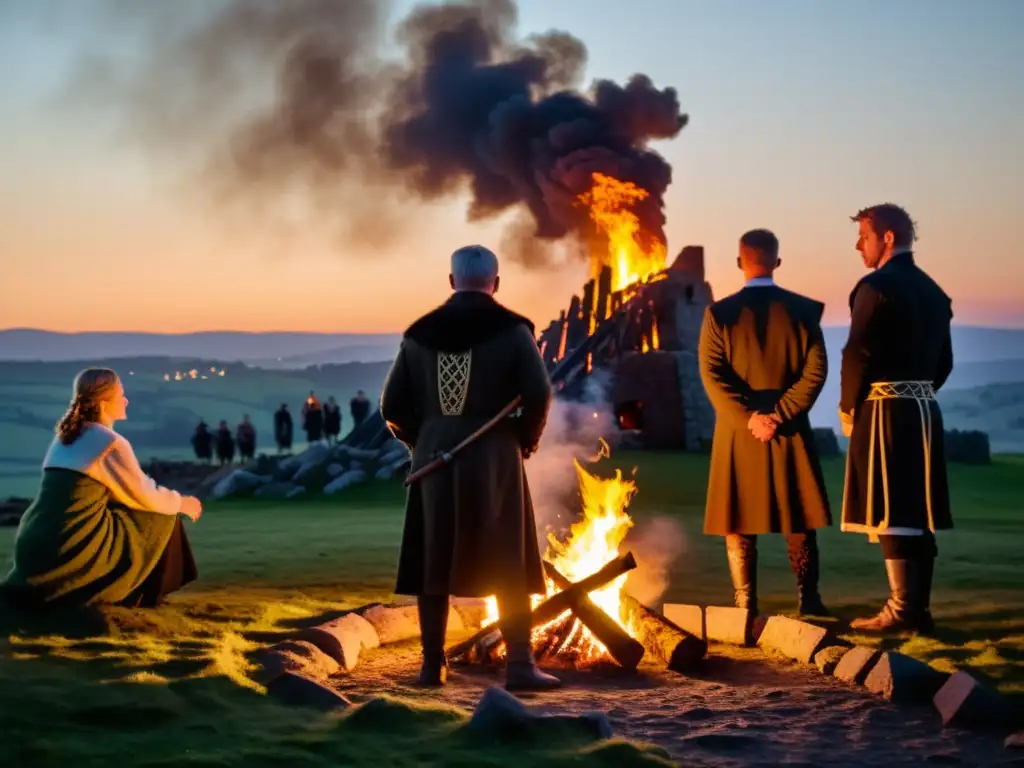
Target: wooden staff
[{"x": 448, "y": 456}]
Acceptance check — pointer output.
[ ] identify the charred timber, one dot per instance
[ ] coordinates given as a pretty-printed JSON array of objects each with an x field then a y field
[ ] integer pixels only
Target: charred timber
[
  {"x": 673, "y": 646},
  {"x": 558, "y": 603},
  {"x": 626, "y": 651}
]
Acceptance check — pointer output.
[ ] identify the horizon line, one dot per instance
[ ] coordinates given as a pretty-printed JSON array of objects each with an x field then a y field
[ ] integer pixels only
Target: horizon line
[{"x": 13, "y": 329}]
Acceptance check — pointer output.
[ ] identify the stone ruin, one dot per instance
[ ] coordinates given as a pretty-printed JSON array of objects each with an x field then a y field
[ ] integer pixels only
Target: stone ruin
[{"x": 642, "y": 341}]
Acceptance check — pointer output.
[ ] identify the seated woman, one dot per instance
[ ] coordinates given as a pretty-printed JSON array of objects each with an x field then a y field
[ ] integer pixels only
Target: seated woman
[{"x": 99, "y": 530}]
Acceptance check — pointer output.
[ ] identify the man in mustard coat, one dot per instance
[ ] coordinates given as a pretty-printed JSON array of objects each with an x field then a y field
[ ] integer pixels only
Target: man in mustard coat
[{"x": 763, "y": 364}]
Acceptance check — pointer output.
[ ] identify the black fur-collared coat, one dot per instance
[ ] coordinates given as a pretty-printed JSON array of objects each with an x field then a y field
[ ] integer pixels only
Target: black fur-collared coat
[{"x": 469, "y": 526}]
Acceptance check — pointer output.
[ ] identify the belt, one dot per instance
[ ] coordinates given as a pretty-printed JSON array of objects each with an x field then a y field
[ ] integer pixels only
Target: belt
[
  {"x": 902, "y": 390},
  {"x": 921, "y": 392}
]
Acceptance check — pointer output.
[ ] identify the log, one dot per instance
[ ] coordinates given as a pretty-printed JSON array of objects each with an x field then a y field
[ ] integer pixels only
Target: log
[
  {"x": 673, "y": 646},
  {"x": 486, "y": 650},
  {"x": 626, "y": 651},
  {"x": 554, "y": 638},
  {"x": 558, "y": 603}
]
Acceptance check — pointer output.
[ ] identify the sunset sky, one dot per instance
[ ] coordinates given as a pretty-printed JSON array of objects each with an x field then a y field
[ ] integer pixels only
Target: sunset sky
[{"x": 801, "y": 112}]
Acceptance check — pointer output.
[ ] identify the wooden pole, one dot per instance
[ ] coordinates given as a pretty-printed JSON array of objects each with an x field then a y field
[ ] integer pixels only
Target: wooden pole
[{"x": 447, "y": 457}]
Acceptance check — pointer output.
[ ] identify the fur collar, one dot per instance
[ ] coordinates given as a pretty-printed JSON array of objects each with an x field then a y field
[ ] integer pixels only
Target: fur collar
[{"x": 467, "y": 319}]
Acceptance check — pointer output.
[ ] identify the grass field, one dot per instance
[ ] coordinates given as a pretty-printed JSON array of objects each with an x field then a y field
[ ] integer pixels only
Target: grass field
[{"x": 172, "y": 684}]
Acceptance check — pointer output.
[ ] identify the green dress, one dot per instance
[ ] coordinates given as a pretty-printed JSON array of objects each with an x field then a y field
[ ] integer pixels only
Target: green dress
[{"x": 81, "y": 541}]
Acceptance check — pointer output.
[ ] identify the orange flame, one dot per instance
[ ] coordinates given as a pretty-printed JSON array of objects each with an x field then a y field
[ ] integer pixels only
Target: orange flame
[
  {"x": 593, "y": 541},
  {"x": 610, "y": 202}
]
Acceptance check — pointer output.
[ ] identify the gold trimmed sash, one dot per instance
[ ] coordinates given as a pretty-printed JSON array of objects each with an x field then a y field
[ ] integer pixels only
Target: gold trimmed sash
[{"x": 921, "y": 392}]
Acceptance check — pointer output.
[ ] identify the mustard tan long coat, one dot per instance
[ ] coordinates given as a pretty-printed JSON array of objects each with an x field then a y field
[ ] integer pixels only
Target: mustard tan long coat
[
  {"x": 469, "y": 526},
  {"x": 762, "y": 351}
]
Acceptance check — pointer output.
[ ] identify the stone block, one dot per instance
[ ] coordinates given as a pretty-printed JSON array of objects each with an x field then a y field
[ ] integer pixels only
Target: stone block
[
  {"x": 343, "y": 639},
  {"x": 688, "y": 617},
  {"x": 856, "y": 664},
  {"x": 472, "y": 611},
  {"x": 729, "y": 625},
  {"x": 500, "y": 716},
  {"x": 301, "y": 691},
  {"x": 900, "y": 678},
  {"x": 455, "y": 623},
  {"x": 827, "y": 658},
  {"x": 966, "y": 701},
  {"x": 297, "y": 656},
  {"x": 393, "y": 623},
  {"x": 796, "y": 639}
]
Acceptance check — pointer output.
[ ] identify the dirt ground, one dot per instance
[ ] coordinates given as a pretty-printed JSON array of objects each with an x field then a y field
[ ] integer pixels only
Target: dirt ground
[{"x": 741, "y": 709}]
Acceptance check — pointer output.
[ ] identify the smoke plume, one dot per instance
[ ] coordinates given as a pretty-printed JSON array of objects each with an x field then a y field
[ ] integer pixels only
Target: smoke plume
[{"x": 295, "y": 111}]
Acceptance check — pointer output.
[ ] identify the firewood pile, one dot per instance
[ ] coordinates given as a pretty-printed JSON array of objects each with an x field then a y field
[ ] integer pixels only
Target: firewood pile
[{"x": 563, "y": 616}]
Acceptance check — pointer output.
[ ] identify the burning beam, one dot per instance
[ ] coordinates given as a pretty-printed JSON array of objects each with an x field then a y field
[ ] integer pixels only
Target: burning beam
[
  {"x": 559, "y": 602},
  {"x": 626, "y": 651}
]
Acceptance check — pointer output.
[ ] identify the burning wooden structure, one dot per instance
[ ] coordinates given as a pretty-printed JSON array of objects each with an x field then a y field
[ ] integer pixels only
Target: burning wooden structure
[{"x": 643, "y": 339}]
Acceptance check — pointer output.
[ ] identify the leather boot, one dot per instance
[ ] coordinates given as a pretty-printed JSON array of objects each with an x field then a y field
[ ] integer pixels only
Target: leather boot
[
  {"x": 804, "y": 560},
  {"x": 904, "y": 611},
  {"x": 521, "y": 672},
  {"x": 433, "y": 614},
  {"x": 742, "y": 556}
]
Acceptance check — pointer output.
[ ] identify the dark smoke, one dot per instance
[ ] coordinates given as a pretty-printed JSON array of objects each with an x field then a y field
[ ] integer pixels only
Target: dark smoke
[{"x": 349, "y": 135}]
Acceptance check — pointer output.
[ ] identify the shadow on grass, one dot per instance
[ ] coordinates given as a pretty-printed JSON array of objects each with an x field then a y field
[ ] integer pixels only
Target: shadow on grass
[{"x": 86, "y": 703}]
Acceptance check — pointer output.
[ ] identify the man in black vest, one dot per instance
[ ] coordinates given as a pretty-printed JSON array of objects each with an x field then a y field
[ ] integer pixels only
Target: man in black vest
[{"x": 899, "y": 353}]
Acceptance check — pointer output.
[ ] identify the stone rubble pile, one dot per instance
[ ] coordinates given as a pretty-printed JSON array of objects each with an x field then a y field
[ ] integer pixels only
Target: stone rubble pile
[{"x": 320, "y": 469}]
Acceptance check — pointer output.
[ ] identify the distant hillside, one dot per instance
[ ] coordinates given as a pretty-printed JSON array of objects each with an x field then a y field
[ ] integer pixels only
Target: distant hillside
[
  {"x": 163, "y": 411},
  {"x": 227, "y": 346},
  {"x": 981, "y": 356},
  {"x": 997, "y": 409}
]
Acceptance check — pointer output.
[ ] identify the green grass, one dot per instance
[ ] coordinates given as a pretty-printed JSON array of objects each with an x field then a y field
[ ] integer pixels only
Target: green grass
[{"x": 175, "y": 683}]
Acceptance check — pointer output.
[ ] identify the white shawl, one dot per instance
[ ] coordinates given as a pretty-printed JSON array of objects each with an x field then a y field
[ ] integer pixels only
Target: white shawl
[{"x": 108, "y": 458}]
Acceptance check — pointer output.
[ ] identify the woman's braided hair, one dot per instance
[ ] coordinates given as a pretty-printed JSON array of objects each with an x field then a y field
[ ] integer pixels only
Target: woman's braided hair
[{"x": 92, "y": 387}]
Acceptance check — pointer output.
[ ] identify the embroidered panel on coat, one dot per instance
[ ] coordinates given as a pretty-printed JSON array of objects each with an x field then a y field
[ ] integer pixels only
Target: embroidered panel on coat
[{"x": 453, "y": 380}]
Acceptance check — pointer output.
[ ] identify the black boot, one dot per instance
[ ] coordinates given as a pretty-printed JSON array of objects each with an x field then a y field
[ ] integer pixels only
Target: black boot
[
  {"x": 521, "y": 672},
  {"x": 905, "y": 609},
  {"x": 804, "y": 560},
  {"x": 742, "y": 555},
  {"x": 433, "y": 613}
]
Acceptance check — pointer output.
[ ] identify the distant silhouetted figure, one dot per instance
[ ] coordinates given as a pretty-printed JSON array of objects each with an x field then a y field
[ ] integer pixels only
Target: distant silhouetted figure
[
  {"x": 313, "y": 419},
  {"x": 359, "y": 406},
  {"x": 245, "y": 436},
  {"x": 332, "y": 420},
  {"x": 283, "y": 429},
  {"x": 202, "y": 442},
  {"x": 225, "y": 444}
]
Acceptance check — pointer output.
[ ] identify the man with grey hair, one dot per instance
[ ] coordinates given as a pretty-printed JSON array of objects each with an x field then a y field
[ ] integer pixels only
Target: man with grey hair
[{"x": 469, "y": 526}]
